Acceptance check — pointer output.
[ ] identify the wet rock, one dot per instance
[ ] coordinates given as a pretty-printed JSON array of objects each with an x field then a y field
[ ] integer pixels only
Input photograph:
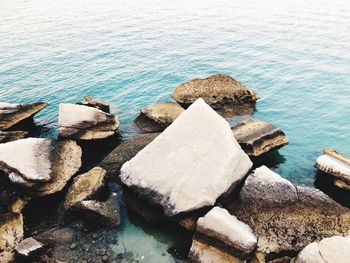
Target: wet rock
[
  {"x": 28, "y": 247},
  {"x": 221, "y": 237},
  {"x": 96, "y": 103},
  {"x": 157, "y": 117},
  {"x": 85, "y": 123},
  {"x": 85, "y": 186},
  {"x": 12, "y": 114},
  {"x": 287, "y": 217},
  {"x": 44, "y": 165},
  {"x": 257, "y": 137},
  {"x": 9, "y": 136},
  {"x": 335, "y": 164},
  {"x": 11, "y": 234},
  {"x": 333, "y": 249},
  {"x": 198, "y": 152},
  {"x": 222, "y": 92}
]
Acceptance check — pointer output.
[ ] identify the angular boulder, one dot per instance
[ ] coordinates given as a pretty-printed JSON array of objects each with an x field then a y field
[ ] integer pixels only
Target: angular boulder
[
  {"x": 222, "y": 92},
  {"x": 221, "y": 237},
  {"x": 336, "y": 165},
  {"x": 157, "y": 117},
  {"x": 287, "y": 217},
  {"x": 17, "y": 113},
  {"x": 96, "y": 103},
  {"x": 85, "y": 123},
  {"x": 9, "y": 136},
  {"x": 44, "y": 165},
  {"x": 257, "y": 137},
  {"x": 28, "y": 247},
  {"x": 197, "y": 152}
]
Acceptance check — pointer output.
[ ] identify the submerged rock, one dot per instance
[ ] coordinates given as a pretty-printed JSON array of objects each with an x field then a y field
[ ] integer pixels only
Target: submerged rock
[
  {"x": 222, "y": 92},
  {"x": 257, "y": 137},
  {"x": 221, "y": 237},
  {"x": 14, "y": 113},
  {"x": 44, "y": 165},
  {"x": 197, "y": 152},
  {"x": 11, "y": 234},
  {"x": 287, "y": 217},
  {"x": 85, "y": 123},
  {"x": 96, "y": 103},
  {"x": 157, "y": 117},
  {"x": 9, "y": 136},
  {"x": 28, "y": 247},
  {"x": 335, "y": 164}
]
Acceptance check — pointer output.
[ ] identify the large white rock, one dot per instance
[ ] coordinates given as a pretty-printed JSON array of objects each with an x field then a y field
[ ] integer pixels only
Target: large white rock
[
  {"x": 193, "y": 162},
  {"x": 85, "y": 123}
]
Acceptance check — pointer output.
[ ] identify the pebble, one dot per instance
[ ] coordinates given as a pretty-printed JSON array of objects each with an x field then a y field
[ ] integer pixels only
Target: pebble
[{"x": 73, "y": 246}]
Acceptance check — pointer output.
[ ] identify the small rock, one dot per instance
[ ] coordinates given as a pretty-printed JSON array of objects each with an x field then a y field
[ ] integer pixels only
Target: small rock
[
  {"x": 9, "y": 136},
  {"x": 96, "y": 103},
  {"x": 105, "y": 259},
  {"x": 28, "y": 247},
  {"x": 73, "y": 246}
]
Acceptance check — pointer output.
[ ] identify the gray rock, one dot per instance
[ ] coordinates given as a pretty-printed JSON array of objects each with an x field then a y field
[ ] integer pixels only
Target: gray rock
[
  {"x": 14, "y": 113},
  {"x": 257, "y": 137},
  {"x": 28, "y": 247},
  {"x": 9, "y": 136},
  {"x": 97, "y": 103}
]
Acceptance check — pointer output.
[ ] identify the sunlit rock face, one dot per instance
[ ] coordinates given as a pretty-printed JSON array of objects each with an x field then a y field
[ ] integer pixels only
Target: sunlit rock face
[
  {"x": 222, "y": 92},
  {"x": 188, "y": 166},
  {"x": 85, "y": 123}
]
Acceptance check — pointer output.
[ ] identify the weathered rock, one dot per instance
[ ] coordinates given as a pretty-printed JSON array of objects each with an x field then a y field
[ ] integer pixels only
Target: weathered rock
[
  {"x": 223, "y": 93},
  {"x": 85, "y": 123},
  {"x": 11, "y": 233},
  {"x": 17, "y": 205},
  {"x": 157, "y": 117},
  {"x": 28, "y": 247},
  {"x": 9, "y": 136},
  {"x": 14, "y": 113},
  {"x": 257, "y": 137},
  {"x": 335, "y": 164},
  {"x": 221, "y": 237},
  {"x": 286, "y": 217},
  {"x": 44, "y": 165},
  {"x": 85, "y": 186},
  {"x": 329, "y": 250},
  {"x": 96, "y": 103},
  {"x": 198, "y": 152}
]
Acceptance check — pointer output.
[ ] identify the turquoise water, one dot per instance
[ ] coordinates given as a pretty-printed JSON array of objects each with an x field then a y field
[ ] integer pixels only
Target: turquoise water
[{"x": 134, "y": 53}]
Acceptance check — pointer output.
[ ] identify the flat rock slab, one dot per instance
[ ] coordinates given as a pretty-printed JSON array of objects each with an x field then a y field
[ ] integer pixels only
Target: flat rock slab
[
  {"x": 85, "y": 123},
  {"x": 96, "y": 103},
  {"x": 44, "y": 165},
  {"x": 28, "y": 247},
  {"x": 157, "y": 117},
  {"x": 222, "y": 92},
  {"x": 257, "y": 137},
  {"x": 15, "y": 113},
  {"x": 197, "y": 152},
  {"x": 220, "y": 235},
  {"x": 286, "y": 217},
  {"x": 9, "y": 136}
]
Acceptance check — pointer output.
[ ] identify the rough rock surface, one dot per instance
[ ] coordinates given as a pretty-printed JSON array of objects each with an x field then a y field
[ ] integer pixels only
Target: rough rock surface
[
  {"x": 9, "y": 136},
  {"x": 333, "y": 249},
  {"x": 198, "y": 152},
  {"x": 28, "y": 247},
  {"x": 286, "y": 217},
  {"x": 221, "y": 237},
  {"x": 45, "y": 165},
  {"x": 257, "y": 137},
  {"x": 85, "y": 123},
  {"x": 222, "y": 92},
  {"x": 335, "y": 164},
  {"x": 85, "y": 186},
  {"x": 11, "y": 233},
  {"x": 96, "y": 103},
  {"x": 157, "y": 117},
  {"x": 15, "y": 113}
]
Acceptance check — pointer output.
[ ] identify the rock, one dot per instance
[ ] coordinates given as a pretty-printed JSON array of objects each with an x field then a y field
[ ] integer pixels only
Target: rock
[
  {"x": 14, "y": 113},
  {"x": 17, "y": 205},
  {"x": 11, "y": 234},
  {"x": 257, "y": 137},
  {"x": 335, "y": 164},
  {"x": 73, "y": 246},
  {"x": 96, "y": 103},
  {"x": 334, "y": 249},
  {"x": 157, "y": 117},
  {"x": 198, "y": 152},
  {"x": 221, "y": 237},
  {"x": 85, "y": 186},
  {"x": 9, "y": 136},
  {"x": 44, "y": 165},
  {"x": 28, "y": 247},
  {"x": 222, "y": 92},
  {"x": 114, "y": 161},
  {"x": 85, "y": 123},
  {"x": 287, "y": 217}
]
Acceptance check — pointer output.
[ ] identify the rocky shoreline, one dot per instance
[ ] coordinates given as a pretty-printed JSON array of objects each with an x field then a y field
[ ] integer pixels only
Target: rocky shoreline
[{"x": 190, "y": 169}]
